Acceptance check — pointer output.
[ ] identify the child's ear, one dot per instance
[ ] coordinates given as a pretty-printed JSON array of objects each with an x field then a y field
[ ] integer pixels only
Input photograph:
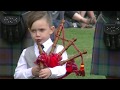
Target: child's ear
[{"x": 52, "y": 29}]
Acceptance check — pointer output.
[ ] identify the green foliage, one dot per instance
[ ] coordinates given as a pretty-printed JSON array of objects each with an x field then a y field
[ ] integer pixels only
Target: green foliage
[{"x": 84, "y": 42}]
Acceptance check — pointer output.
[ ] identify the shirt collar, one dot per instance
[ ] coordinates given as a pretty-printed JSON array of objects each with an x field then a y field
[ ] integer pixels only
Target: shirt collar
[{"x": 46, "y": 45}]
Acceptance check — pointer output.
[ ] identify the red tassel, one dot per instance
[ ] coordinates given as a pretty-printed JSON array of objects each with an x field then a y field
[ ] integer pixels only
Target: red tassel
[{"x": 82, "y": 71}]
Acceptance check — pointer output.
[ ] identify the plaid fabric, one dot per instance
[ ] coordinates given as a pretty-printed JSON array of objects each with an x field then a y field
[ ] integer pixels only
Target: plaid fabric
[
  {"x": 10, "y": 53},
  {"x": 104, "y": 62}
]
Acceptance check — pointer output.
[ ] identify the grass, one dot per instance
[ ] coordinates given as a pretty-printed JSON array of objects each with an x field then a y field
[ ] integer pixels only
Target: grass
[{"x": 84, "y": 42}]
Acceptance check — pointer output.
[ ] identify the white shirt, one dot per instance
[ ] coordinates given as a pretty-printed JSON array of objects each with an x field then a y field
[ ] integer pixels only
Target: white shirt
[{"x": 22, "y": 72}]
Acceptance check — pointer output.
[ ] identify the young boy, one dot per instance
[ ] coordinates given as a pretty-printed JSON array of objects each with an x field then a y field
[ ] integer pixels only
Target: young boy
[{"x": 40, "y": 27}]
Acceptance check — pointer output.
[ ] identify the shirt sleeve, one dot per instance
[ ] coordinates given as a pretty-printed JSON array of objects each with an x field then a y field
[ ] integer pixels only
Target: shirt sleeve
[{"x": 21, "y": 71}]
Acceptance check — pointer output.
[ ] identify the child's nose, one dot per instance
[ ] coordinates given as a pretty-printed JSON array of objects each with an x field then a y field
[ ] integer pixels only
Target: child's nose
[{"x": 37, "y": 33}]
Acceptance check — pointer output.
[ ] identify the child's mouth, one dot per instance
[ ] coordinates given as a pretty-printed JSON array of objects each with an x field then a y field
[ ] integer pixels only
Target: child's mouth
[{"x": 38, "y": 40}]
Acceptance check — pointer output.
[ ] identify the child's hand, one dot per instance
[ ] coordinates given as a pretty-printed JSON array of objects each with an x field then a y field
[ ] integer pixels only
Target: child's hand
[
  {"x": 44, "y": 73},
  {"x": 35, "y": 71}
]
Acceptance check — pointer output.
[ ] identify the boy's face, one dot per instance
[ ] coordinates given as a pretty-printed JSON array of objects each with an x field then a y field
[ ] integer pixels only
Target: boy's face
[{"x": 41, "y": 30}]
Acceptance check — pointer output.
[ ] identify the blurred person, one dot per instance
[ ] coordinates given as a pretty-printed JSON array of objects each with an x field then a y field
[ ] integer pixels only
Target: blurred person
[
  {"x": 87, "y": 14},
  {"x": 70, "y": 17},
  {"x": 9, "y": 52},
  {"x": 106, "y": 51}
]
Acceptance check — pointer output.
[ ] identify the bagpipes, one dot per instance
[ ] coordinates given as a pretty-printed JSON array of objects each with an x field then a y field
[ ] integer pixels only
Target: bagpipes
[{"x": 54, "y": 59}]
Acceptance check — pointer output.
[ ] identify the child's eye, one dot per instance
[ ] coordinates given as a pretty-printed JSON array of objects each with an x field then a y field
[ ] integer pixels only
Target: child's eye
[
  {"x": 41, "y": 30},
  {"x": 33, "y": 31}
]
